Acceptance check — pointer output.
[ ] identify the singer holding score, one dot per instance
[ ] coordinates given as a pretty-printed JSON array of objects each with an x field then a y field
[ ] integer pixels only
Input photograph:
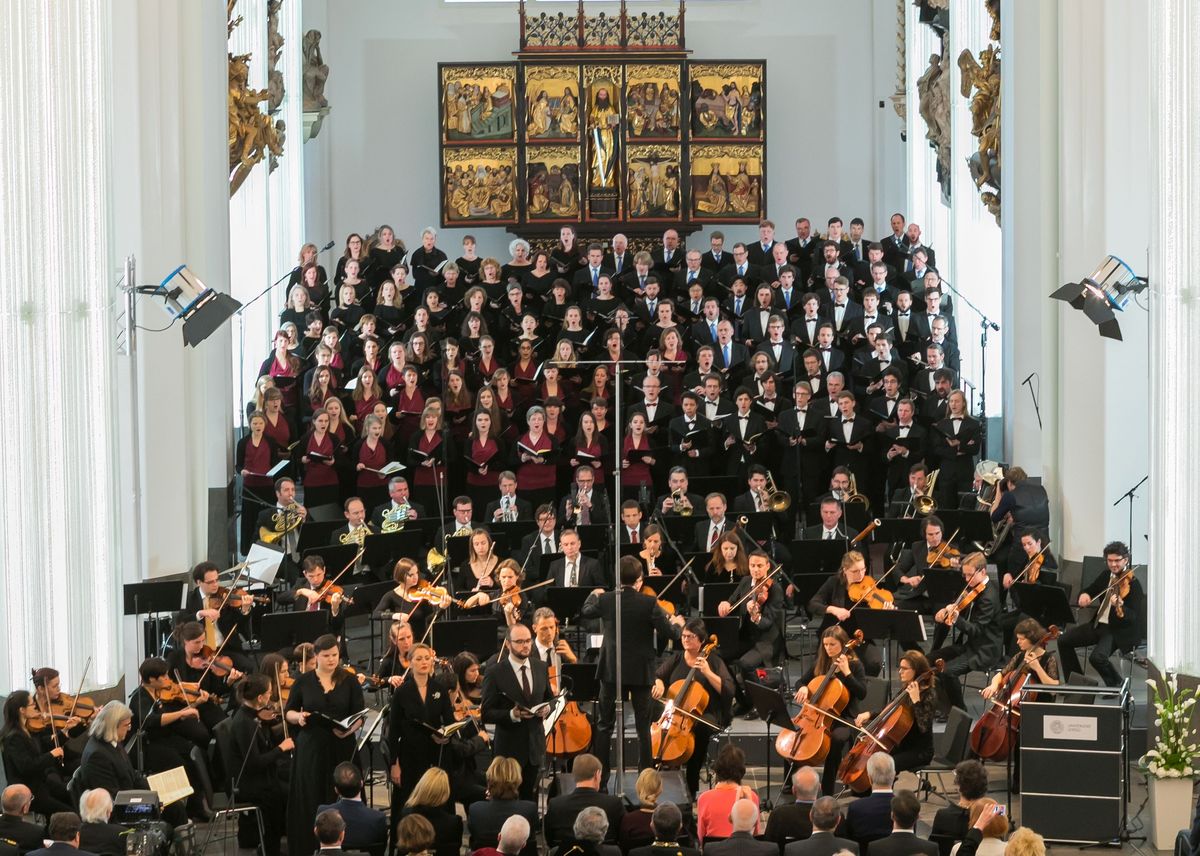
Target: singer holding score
[{"x": 318, "y": 700}]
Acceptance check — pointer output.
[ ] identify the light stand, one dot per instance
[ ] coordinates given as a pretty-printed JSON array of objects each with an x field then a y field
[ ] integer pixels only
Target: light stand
[
  {"x": 128, "y": 288},
  {"x": 986, "y": 325}
]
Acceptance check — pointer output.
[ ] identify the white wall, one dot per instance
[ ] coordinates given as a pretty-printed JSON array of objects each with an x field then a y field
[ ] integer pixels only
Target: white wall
[{"x": 831, "y": 148}]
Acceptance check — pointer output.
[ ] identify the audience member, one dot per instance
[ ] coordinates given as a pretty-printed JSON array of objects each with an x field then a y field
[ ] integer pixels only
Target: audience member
[
  {"x": 431, "y": 800},
  {"x": 825, "y": 819},
  {"x": 63, "y": 834},
  {"x": 486, "y": 818},
  {"x": 588, "y": 834},
  {"x": 950, "y": 823},
  {"x": 563, "y": 811},
  {"x": 903, "y": 841},
  {"x": 667, "y": 823},
  {"x": 636, "y": 825},
  {"x": 415, "y": 836},
  {"x": 15, "y": 802},
  {"x": 366, "y": 828},
  {"x": 793, "y": 821},
  {"x": 743, "y": 820},
  {"x": 870, "y": 818},
  {"x": 990, "y": 824},
  {"x": 713, "y": 806},
  {"x": 514, "y": 835},
  {"x": 97, "y": 835}
]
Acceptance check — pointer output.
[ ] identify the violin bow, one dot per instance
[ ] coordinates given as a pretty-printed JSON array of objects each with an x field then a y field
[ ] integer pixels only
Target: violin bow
[
  {"x": 48, "y": 715},
  {"x": 756, "y": 587},
  {"x": 940, "y": 552},
  {"x": 279, "y": 700},
  {"x": 82, "y": 678},
  {"x": 331, "y": 583},
  {"x": 862, "y": 731},
  {"x": 213, "y": 658},
  {"x": 183, "y": 690},
  {"x": 677, "y": 577}
]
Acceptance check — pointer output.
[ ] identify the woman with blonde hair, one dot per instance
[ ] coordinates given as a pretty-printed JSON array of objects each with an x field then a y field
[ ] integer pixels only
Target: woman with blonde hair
[
  {"x": 430, "y": 799},
  {"x": 484, "y": 818},
  {"x": 427, "y": 458},
  {"x": 635, "y": 825}
]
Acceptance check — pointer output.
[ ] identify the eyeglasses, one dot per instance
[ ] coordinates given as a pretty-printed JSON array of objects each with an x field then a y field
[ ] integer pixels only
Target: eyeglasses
[{"x": 522, "y": 641}]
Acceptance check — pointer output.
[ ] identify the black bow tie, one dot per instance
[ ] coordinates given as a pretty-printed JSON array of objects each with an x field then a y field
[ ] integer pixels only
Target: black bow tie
[
  {"x": 902, "y": 314},
  {"x": 847, "y": 421},
  {"x": 743, "y": 418},
  {"x": 840, "y": 305}
]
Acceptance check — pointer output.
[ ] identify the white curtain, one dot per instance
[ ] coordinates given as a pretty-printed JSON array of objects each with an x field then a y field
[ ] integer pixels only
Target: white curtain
[{"x": 59, "y": 518}]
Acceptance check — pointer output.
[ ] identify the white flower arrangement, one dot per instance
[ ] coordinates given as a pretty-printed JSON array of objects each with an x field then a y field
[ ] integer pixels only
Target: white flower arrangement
[{"x": 1177, "y": 748}]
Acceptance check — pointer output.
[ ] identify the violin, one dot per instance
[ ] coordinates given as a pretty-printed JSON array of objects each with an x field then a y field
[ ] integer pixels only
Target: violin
[
  {"x": 868, "y": 591},
  {"x": 1034, "y": 569},
  {"x": 426, "y": 592},
  {"x": 187, "y": 692},
  {"x": 216, "y": 662},
  {"x": 39, "y": 723},
  {"x": 464, "y": 707},
  {"x": 238, "y": 599},
  {"x": 63, "y": 709},
  {"x": 943, "y": 555},
  {"x": 965, "y": 598},
  {"x": 1121, "y": 587},
  {"x": 764, "y": 593},
  {"x": 995, "y": 733},
  {"x": 809, "y": 743},
  {"x": 672, "y": 740},
  {"x": 667, "y": 606},
  {"x": 883, "y": 733}
]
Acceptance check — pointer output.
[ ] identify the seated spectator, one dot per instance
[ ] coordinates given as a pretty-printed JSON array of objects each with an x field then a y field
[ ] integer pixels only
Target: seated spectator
[
  {"x": 366, "y": 828},
  {"x": 743, "y": 820},
  {"x": 329, "y": 830},
  {"x": 903, "y": 840},
  {"x": 15, "y": 803},
  {"x": 870, "y": 818},
  {"x": 950, "y": 823},
  {"x": 97, "y": 835},
  {"x": 1024, "y": 842},
  {"x": 667, "y": 822},
  {"x": 714, "y": 805},
  {"x": 562, "y": 811},
  {"x": 636, "y": 825},
  {"x": 514, "y": 836},
  {"x": 63, "y": 833},
  {"x": 486, "y": 818},
  {"x": 431, "y": 800},
  {"x": 989, "y": 827},
  {"x": 415, "y": 837},
  {"x": 825, "y": 819},
  {"x": 794, "y": 821},
  {"x": 588, "y": 834}
]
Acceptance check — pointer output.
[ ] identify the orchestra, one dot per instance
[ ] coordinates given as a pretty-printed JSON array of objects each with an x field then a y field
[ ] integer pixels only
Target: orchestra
[{"x": 707, "y": 478}]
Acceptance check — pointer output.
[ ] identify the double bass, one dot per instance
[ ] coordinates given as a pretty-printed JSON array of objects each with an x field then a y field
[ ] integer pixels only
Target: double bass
[
  {"x": 809, "y": 743},
  {"x": 994, "y": 734},
  {"x": 883, "y": 733},
  {"x": 672, "y": 737}
]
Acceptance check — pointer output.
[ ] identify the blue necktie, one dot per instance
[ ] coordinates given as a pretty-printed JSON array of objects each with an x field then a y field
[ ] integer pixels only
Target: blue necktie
[
  {"x": 741, "y": 270},
  {"x": 737, "y": 306},
  {"x": 725, "y": 350},
  {"x": 595, "y": 278},
  {"x": 712, "y": 328},
  {"x": 787, "y": 299}
]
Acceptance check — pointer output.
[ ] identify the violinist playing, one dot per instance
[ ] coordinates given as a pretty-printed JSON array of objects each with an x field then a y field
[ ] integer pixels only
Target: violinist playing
[
  {"x": 714, "y": 678},
  {"x": 71, "y": 717},
  {"x": 467, "y": 782},
  {"x": 420, "y": 706},
  {"x": 760, "y": 635},
  {"x": 1043, "y": 669},
  {"x": 191, "y": 661},
  {"x": 396, "y": 659},
  {"x": 972, "y": 623},
  {"x": 1120, "y": 619},
  {"x": 1038, "y": 567},
  {"x": 930, "y": 553},
  {"x": 264, "y": 775},
  {"x": 833, "y": 602},
  {"x": 403, "y": 603},
  {"x": 26, "y": 762},
  {"x": 849, "y": 671},
  {"x": 221, "y": 616},
  {"x": 314, "y": 592},
  {"x": 510, "y": 606},
  {"x": 916, "y": 748}
]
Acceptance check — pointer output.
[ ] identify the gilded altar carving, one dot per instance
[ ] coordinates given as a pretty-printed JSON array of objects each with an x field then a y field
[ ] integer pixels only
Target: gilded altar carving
[
  {"x": 252, "y": 134},
  {"x": 980, "y": 82},
  {"x": 933, "y": 90}
]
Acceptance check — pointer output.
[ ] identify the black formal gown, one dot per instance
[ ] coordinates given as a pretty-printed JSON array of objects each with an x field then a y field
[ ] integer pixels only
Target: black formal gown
[{"x": 318, "y": 751}]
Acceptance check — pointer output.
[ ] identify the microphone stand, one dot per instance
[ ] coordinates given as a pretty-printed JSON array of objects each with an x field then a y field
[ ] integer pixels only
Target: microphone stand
[
  {"x": 1131, "y": 495},
  {"x": 986, "y": 324},
  {"x": 1033, "y": 394}
]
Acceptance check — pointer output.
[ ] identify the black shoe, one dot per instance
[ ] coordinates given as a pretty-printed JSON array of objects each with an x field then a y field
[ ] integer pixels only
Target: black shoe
[
  {"x": 751, "y": 714},
  {"x": 740, "y": 708}
]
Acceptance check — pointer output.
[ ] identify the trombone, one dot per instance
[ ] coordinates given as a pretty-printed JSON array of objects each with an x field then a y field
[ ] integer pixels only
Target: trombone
[
  {"x": 853, "y": 497},
  {"x": 773, "y": 498},
  {"x": 923, "y": 504}
]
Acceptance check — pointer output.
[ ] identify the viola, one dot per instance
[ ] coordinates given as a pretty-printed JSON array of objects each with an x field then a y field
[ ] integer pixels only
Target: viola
[
  {"x": 187, "y": 692},
  {"x": 672, "y": 740},
  {"x": 994, "y": 735},
  {"x": 965, "y": 598},
  {"x": 327, "y": 593},
  {"x": 883, "y": 733},
  {"x": 868, "y": 591},
  {"x": 572, "y": 731},
  {"x": 214, "y": 661},
  {"x": 809, "y": 743},
  {"x": 943, "y": 555},
  {"x": 1034, "y": 568},
  {"x": 238, "y": 599}
]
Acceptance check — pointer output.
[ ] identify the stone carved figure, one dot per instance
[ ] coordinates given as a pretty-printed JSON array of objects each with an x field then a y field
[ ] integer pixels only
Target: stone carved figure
[
  {"x": 316, "y": 72},
  {"x": 933, "y": 88},
  {"x": 980, "y": 81},
  {"x": 275, "y": 86}
]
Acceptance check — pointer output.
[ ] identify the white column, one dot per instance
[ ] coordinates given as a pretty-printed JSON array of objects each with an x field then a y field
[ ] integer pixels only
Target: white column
[
  {"x": 170, "y": 206},
  {"x": 1174, "y": 53}
]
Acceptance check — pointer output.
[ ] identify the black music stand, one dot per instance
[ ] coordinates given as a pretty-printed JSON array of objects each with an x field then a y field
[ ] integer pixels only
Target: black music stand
[
  {"x": 680, "y": 528},
  {"x": 155, "y": 597},
  {"x": 567, "y": 602},
  {"x": 971, "y": 525},
  {"x": 759, "y": 524},
  {"x": 513, "y": 531},
  {"x": 772, "y": 710},
  {"x": 726, "y": 630},
  {"x": 581, "y": 681},
  {"x": 385, "y": 548},
  {"x": 594, "y": 537},
  {"x": 817, "y": 557},
  {"x": 542, "y": 562},
  {"x": 887, "y": 626},
  {"x": 283, "y": 631},
  {"x": 1047, "y": 603},
  {"x": 903, "y": 530},
  {"x": 477, "y": 635},
  {"x": 457, "y": 550},
  {"x": 806, "y": 586},
  {"x": 714, "y": 593},
  {"x": 336, "y": 556}
]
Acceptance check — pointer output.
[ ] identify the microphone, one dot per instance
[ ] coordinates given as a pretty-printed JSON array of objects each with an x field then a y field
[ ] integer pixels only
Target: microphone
[
  {"x": 992, "y": 324},
  {"x": 328, "y": 246},
  {"x": 1028, "y": 379}
]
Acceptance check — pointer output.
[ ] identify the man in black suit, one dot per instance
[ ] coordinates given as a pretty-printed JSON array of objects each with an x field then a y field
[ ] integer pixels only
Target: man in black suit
[
  {"x": 743, "y": 818},
  {"x": 956, "y": 442},
  {"x": 1106, "y": 631},
  {"x": 631, "y": 525},
  {"x": 915, "y": 268},
  {"x": 913, "y": 245},
  {"x": 640, "y": 618},
  {"x": 63, "y": 833},
  {"x": 800, "y": 437},
  {"x": 795, "y": 821},
  {"x": 746, "y": 440},
  {"x": 976, "y": 639},
  {"x": 825, "y": 818},
  {"x": 757, "y": 316},
  {"x": 904, "y": 841},
  {"x": 771, "y": 271},
  {"x": 618, "y": 260},
  {"x": 677, "y": 484},
  {"x": 730, "y": 357},
  {"x": 704, "y": 331},
  {"x": 508, "y": 506},
  {"x": 665, "y": 822},
  {"x": 713, "y": 526},
  {"x": 97, "y": 835},
  {"x": 847, "y": 437},
  {"x": 658, "y": 412},
  {"x": 583, "y": 284},
  {"x": 669, "y": 257},
  {"x": 789, "y": 299},
  {"x": 219, "y": 623},
  {"x": 777, "y": 345},
  {"x": 542, "y": 541},
  {"x": 330, "y": 830},
  {"x": 826, "y": 266},
  {"x": 365, "y": 826},
  {"x": 356, "y": 526},
  {"x": 800, "y": 248},
  {"x": 894, "y": 248},
  {"x": 694, "y": 452},
  {"x": 16, "y": 801},
  {"x": 692, "y": 272},
  {"x": 740, "y": 269},
  {"x": 759, "y": 252},
  {"x": 399, "y": 505},
  {"x": 636, "y": 277},
  {"x": 585, "y": 504},
  {"x": 512, "y": 687},
  {"x": 461, "y": 523},
  {"x": 950, "y": 823},
  {"x": 717, "y": 257},
  {"x": 870, "y": 818},
  {"x": 574, "y": 569},
  {"x": 287, "y": 510},
  {"x": 562, "y": 810},
  {"x": 830, "y": 527},
  {"x": 902, "y": 447}
]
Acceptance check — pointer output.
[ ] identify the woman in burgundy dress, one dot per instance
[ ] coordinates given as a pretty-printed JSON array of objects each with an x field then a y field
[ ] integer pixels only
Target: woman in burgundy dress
[
  {"x": 484, "y": 460},
  {"x": 636, "y": 472},
  {"x": 535, "y": 455},
  {"x": 427, "y": 458},
  {"x": 317, "y": 455},
  {"x": 373, "y": 455},
  {"x": 255, "y": 456}
]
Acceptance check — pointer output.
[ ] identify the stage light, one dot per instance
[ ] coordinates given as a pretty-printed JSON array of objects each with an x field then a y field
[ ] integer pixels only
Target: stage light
[
  {"x": 202, "y": 309},
  {"x": 1104, "y": 292}
]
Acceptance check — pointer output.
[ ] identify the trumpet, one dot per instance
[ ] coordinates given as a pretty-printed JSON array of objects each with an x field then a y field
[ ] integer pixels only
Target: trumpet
[
  {"x": 508, "y": 511},
  {"x": 394, "y": 519},
  {"x": 683, "y": 506},
  {"x": 775, "y": 499},
  {"x": 283, "y": 521},
  {"x": 853, "y": 497}
]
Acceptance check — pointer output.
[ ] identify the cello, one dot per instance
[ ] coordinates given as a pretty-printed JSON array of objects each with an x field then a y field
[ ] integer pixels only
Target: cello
[
  {"x": 994, "y": 734},
  {"x": 809, "y": 743},
  {"x": 571, "y": 732},
  {"x": 672, "y": 737},
  {"x": 883, "y": 733}
]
